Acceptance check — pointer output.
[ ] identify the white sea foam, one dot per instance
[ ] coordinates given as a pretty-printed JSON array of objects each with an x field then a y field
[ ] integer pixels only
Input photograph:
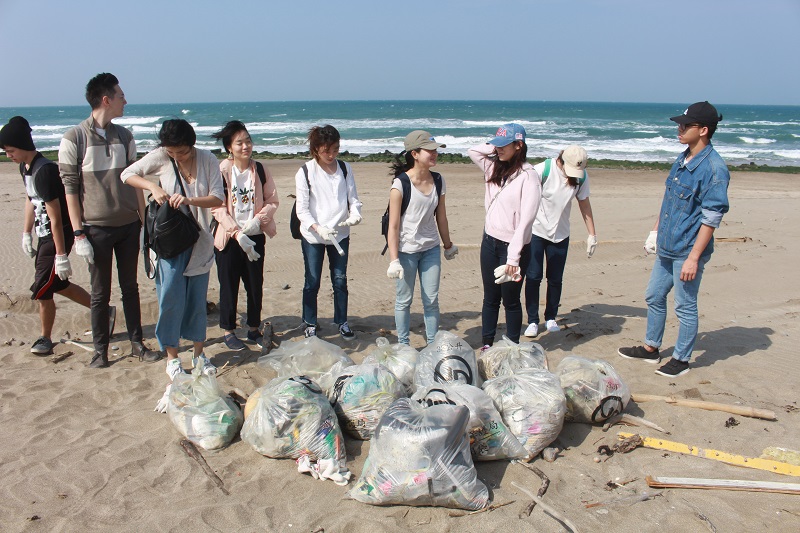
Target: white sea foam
[
  {"x": 185, "y": 111},
  {"x": 132, "y": 121},
  {"x": 751, "y": 140}
]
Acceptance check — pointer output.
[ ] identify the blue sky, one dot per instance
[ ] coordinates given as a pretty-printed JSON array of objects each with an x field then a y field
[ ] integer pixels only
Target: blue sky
[{"x": 725, "y": 51}]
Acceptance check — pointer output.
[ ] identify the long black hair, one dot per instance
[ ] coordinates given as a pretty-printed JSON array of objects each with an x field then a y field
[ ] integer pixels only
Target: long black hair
[
  {"x": 404, "y": 161},
  {"x": 505, "y": 169}
]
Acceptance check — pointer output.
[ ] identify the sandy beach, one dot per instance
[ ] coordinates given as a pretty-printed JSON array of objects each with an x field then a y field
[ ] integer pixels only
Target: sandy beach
[{"x": 82, "y": 450}]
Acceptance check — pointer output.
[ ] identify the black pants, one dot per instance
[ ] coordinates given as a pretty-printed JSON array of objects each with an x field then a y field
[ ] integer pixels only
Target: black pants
[
  {"x": 108, "y": 242},
  {"x": 232, "y": 266},
  {"x": 494, "y": 253}
]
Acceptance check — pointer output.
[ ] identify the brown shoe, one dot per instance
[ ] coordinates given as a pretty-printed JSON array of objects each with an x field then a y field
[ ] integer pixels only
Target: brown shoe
[
  {"x": 100, "y": 360},
  {"x": 144, "y": 353}
]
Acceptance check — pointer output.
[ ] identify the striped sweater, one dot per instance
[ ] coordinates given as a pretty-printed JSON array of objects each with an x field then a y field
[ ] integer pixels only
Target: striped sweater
[{"x": 105, "y": 199}]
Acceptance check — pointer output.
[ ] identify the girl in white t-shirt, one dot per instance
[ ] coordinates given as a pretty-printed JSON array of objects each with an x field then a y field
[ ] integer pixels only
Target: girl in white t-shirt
[
  {"x": 564, "y": 180},
  {"x": 413, "y": 236}
]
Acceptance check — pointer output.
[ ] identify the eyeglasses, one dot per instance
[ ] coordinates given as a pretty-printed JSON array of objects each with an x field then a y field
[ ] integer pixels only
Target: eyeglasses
[{"x": 684, "y": 127}]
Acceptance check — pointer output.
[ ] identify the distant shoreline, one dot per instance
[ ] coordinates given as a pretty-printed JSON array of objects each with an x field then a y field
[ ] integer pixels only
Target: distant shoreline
[{"x": 387, "y": 157}]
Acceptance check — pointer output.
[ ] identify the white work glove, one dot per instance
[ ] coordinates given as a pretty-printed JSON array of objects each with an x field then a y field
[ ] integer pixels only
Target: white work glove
[
  {"x": 500, "y": 275},
  {"x": 84, "y": 249},
  {"x": 27, "y": 244},
  {"x": 450, "y": 253},
  {"x": 252, "y": 227},
  {"x": 650, "y": 243},
  {"x": 395, "y": 270},
  {"x": 63, "y": 268},
  {"x": 591, "y": 245},
  {"x": 352, "y": 220},
  {"x": 327, "y": 234},
  {"x": 161, "y": 406},
  {"x": 248, "y": 246}
]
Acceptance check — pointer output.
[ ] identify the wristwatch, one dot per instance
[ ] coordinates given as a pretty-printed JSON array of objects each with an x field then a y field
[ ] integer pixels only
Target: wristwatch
[{"x": 77, "y": 232}]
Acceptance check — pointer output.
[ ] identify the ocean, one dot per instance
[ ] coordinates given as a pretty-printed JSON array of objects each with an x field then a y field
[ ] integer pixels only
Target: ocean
[{"x": 764, "y": 135}]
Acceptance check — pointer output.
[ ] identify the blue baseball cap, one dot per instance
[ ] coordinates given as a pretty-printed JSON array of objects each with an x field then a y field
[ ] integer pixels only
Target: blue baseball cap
[{"x": 507, "y": 134}]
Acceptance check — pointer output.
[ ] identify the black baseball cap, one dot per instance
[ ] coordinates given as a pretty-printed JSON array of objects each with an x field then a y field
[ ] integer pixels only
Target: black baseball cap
[{"x": 699, "y": 113}]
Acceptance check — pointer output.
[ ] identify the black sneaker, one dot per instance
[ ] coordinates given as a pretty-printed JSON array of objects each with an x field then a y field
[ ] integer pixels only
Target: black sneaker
[
  {"x": 256, "y": 337},
  {"x": 673, "y": 368},
  {"x": 42, "y": 346},
  {"x": 639, "y": 352},
  {"x": 345, "y": 331}
]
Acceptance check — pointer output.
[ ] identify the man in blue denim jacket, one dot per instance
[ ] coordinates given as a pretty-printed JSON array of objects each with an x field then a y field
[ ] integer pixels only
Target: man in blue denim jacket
[{"x": 695, "y": 199}]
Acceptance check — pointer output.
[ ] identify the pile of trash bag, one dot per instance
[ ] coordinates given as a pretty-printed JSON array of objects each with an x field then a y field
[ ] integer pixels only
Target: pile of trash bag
[
  {"x": 420, "y": 456},
  {"x": 292, "y": 418},
  {"x": 360, "y": 394},
  {"x": 311, "y": 357},
  {"x": 400, "y": 358},
  {"x": 532, "y": 405},
  {"x": 506, "y": 357},
  {"x": 447, "y": 359},
  {"x": 595, "y": 392},
  {"x": 489, "y": 438},
  {"x": 200, "y": 412}
]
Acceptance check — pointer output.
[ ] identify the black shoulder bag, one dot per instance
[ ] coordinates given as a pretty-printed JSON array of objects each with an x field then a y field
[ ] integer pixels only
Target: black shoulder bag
[{"x": 168, "y": 231}]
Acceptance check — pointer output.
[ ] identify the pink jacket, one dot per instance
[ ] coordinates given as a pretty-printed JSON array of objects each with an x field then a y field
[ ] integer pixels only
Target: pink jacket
[
  {"x": 510, "y": 212},
  {"x": 265, "y": 205}
]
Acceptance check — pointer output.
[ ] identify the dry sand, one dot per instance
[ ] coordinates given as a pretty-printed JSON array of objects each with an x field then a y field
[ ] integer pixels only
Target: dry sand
[{"x": 81, "y": 449}]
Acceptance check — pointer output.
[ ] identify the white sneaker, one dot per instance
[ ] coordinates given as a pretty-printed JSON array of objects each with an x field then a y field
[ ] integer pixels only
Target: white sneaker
[
  {"x": 532, "y": 330},
  {"x": 552, "y": 327},
  {"x": 174, "y": 368},
  {"x": 208, "y": 368}
]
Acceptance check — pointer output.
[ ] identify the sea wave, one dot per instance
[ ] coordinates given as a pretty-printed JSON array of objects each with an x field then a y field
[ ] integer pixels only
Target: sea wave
[
  {"x": 134, "y": 120},
  {"x": 751, "y": 140}
]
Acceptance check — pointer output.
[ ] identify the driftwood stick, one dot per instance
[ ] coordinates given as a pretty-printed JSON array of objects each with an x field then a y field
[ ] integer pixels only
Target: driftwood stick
[
  {"x": 192, "y": 451},
  {"x": 625, "y": 418},
  {"x": 61, "y": 357},
  {"x": 542, "y": 489},
  {"x": 549, "y": 510},
  {"x": 742, "y": 410},
  {"x": 87, "y": 347}
]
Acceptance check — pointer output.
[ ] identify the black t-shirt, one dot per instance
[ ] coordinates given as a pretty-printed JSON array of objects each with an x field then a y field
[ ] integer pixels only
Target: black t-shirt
[{"x": 46, "y": 186}]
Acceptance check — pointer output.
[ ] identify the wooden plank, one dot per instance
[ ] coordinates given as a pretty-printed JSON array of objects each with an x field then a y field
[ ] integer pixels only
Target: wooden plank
[
  {"x": 723, "y": 484},
  {"x": 725, "y": 457},
  {"x": 741, "y": 410}
]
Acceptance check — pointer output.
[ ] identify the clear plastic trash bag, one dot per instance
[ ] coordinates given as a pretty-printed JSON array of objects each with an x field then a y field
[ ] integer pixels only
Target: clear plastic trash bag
[
  {"x": 447, "y": 359},
  {"x": 200, "y": 412},
  {"x": 595, "y": 392},
  {"x": 360, "y": 394},
  {"x": 420, "y": 456},
  {"x": 401, "y": 359},
  {"x": 489, "y": 438},
  {"x": 532, "y": 405},
  {"x": 506, "y": 356},
  {"x": 292, "y": 418},
  {"x": 311, "y": 357}
]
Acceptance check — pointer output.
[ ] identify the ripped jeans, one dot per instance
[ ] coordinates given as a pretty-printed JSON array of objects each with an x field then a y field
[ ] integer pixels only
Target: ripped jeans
[{"x": 313, "y": 256}]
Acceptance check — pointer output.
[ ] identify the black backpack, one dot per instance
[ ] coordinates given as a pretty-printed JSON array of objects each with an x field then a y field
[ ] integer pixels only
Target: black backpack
[
  {"x": 294, "y": 222},
  {"x": 406, "y": 183}
]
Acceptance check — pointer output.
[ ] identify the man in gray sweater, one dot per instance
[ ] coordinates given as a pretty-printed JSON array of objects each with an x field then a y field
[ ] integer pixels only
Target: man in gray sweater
[{"x": 106, "y": 214}]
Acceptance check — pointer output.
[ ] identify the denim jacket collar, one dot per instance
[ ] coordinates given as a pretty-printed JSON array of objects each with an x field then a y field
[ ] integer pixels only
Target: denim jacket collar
[{"x": 696, "y": 160}]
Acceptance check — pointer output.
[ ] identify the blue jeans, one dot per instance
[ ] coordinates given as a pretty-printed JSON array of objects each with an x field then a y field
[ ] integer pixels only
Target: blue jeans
[
  {"x": 666, "y": 275},
  {"x": 494, "y": 253},
  {"x": 313, "y": 256},
  {"x": 429, "y": 266},
  {"x": 556, "y": 254},
  {"x": 181, "y": 302}
]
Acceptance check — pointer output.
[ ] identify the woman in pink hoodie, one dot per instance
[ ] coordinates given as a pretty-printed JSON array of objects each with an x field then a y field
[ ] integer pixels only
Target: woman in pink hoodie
[
  {"x": 513, "y": 192},
  {"x": 242, "y": 220}
]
